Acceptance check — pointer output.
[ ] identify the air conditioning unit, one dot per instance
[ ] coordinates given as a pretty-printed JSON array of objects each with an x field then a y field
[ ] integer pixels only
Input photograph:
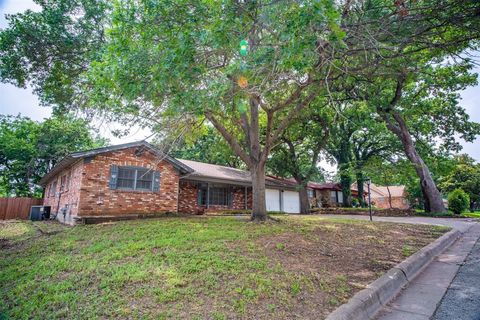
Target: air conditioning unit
[{"x": 40, "y": 213}]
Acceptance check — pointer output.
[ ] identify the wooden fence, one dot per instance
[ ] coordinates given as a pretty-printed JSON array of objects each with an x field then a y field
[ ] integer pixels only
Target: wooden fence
[{"x": 17, "y": 208}]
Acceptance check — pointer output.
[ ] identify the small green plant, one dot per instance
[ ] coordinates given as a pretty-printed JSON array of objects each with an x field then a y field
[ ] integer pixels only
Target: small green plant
[
  {"x": 407, "y": 251},
  {"x": 458, "y": 201},
  {"x": 295, "y": 288}
]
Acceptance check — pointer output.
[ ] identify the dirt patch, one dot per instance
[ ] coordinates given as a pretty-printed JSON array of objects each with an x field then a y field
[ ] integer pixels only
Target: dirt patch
[{"x": 335, "y": 260}]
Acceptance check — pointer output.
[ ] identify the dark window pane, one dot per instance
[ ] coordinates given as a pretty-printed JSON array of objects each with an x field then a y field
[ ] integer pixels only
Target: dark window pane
[
  {"x": 144, "y": 179},
  {"x": 219, "y": 196},
  {"x": 202, "y": 197},
  {"x": 126, "y": 178}
]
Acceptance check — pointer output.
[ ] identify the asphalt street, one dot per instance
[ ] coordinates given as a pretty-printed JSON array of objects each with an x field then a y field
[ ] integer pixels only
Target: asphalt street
[{"x": 462, "y": 299}]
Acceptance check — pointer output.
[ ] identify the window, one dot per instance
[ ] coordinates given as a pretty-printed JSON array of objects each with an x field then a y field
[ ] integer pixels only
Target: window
[
  {"x": 144, "y": 179},
  {"x": 217, "y": 195},
  {"x": 53, "y": 189},
  {"x": 126, "y": 178},
  {"x": 311, "y": 193},
  {"x": 63, "y": 183},
  {"x": 132, "y": 178},
  {"x": 340, "y": 196},
  {"x": 333, "y": 196}
]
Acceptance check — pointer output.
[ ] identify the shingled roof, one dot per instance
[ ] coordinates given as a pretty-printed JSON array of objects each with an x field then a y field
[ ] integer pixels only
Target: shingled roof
[
  {"x": 217, "y": 173},
  {"x": 190, "y": 169},
  {"x": 74, "y": 157}
]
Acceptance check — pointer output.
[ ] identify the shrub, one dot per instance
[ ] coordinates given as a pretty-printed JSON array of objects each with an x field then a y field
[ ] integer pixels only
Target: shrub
[{"x": 458, "y": 201}]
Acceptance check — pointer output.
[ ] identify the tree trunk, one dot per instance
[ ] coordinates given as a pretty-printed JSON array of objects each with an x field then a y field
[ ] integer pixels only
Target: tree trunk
[
  {"x": 360, "y": 182},
  {"x": 304, "y": 201},
  {"x": 433, "y": 198},
  {"x": 259, "y": 208},
  {"x": 389, "y": 197},
  {"x": 346, "y": 182}
]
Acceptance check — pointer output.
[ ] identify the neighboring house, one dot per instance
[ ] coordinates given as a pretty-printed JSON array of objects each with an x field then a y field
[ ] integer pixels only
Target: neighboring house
[
  {"x": 326, "y": 194},
  {"x": 136, "y": 178},
  {"x": 382, "y": 196}
]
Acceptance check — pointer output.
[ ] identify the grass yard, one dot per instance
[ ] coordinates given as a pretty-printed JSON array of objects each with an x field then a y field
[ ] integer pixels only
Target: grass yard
[{"x": 196, "y": 268}]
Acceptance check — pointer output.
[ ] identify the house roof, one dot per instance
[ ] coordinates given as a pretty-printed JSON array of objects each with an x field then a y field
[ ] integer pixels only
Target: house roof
[
  {"x": 382, "y": 191},
  {"x": 74, "y": 157},
  {"x": 395, "y": 191},
  {"x": 192, "y": 169},
  {"x": 325, "y": 186},
  {"x": 217, "y": 173}
]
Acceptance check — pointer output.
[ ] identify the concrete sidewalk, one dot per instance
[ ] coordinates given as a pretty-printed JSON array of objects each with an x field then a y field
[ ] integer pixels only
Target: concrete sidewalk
[
  {"x": 421, "y": 298},
  {"x": 462, "y": 300}
]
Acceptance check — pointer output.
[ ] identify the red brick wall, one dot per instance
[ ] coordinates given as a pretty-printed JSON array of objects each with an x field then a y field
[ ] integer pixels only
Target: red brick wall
[
  {"x": 188, "y": 199},
  {"x": 68, "y": 197},
  {"x": 97, "y": 199}
]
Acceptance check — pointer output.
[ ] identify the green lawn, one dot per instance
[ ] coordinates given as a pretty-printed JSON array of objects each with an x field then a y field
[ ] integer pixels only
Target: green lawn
[{"x": 196, "y": 268}]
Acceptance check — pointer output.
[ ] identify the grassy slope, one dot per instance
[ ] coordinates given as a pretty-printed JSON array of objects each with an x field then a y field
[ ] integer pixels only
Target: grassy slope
[{"x": 168, "y": 268}]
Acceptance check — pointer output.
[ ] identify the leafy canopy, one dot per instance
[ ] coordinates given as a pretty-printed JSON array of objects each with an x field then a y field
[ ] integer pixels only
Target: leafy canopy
[{"x": 29, "y": 149}]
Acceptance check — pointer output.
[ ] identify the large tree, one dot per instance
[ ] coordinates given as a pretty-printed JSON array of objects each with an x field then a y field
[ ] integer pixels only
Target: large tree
[
  {"x": 247, "y": 67},
  {"x": 29, "y": 149},
  {"x": 401, "y": 51}
]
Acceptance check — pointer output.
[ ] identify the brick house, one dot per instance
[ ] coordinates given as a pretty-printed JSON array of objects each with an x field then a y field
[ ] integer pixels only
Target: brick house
[
  {"x": 326, "y": 194},
  {"x": 136, "y": 179}
]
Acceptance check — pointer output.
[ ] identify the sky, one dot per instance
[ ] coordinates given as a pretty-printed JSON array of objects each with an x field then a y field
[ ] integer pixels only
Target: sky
[{"x": 15, "y": 100}]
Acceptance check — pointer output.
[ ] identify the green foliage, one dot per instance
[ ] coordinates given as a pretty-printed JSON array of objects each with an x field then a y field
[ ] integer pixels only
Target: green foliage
[
  {"x": 29, "y": 149},
  {"x": 51, "y": 48},
  {"x": 458, "y": 201},
  {"x": 464, "y": 175},
  {"x": 299, "y": 151},
  {"x": 207, "y": 145}
]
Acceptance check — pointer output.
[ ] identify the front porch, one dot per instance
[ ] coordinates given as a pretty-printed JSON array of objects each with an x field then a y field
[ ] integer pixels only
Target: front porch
[{"x": 198, "y": 197}]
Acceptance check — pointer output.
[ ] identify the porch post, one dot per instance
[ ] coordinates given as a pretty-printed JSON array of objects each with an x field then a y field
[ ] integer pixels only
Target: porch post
[
  {"x": 208, "y": 195},
  {"x": 246, "y": 195}
]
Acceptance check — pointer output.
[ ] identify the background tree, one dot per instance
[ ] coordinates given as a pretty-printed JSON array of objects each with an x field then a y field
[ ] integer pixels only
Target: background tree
[
  {"x": 29, "y": 149},
  {"x": 298, "y": 153},
  {"x": 51, "y": 49},
  {"x": 406, "y": 49},
  {"x": 464, "y": 175}
]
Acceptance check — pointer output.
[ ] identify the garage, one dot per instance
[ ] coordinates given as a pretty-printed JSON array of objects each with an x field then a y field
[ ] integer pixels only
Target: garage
[
  {"x": 291, "y": 201},
  {"x": 272, "y": 198},
  {"x": 287, "y": 201}
]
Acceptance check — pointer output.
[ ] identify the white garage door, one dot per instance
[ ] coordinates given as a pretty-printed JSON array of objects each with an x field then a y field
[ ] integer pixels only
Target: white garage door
[
  {"x": 272, "y": 198},
  {"x": 291, "y": 202}
]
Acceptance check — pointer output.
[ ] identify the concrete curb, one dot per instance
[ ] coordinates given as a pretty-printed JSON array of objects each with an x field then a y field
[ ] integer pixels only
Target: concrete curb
[{"x": 368, "y": 302}]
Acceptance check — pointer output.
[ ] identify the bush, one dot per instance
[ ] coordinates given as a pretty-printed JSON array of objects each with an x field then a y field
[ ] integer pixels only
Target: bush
[{"x": 458, "y": 201}]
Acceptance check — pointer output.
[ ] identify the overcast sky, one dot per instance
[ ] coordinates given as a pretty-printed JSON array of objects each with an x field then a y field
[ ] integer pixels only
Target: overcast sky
[{"x": 16, "y": 100}]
